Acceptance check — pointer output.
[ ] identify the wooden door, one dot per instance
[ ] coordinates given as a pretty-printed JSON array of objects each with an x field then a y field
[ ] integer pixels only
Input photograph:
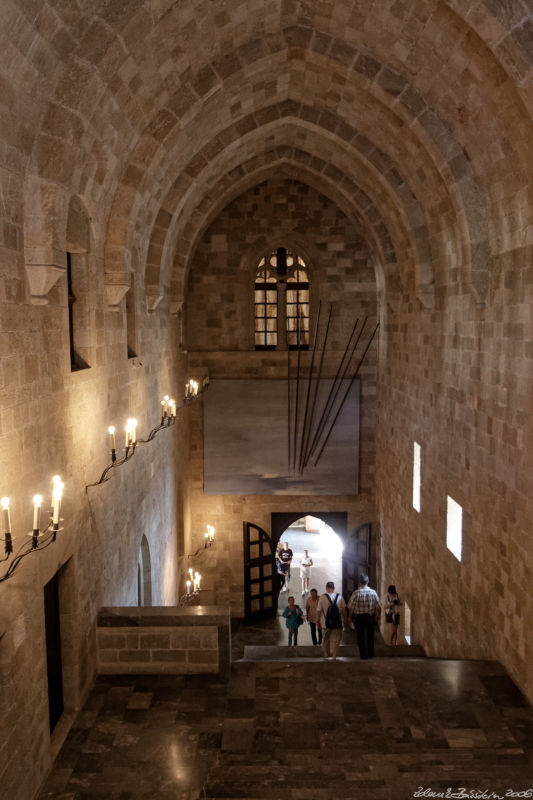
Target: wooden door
[
  {"x": 261, "y": 581},
  {"x": 356, "y": 558}
]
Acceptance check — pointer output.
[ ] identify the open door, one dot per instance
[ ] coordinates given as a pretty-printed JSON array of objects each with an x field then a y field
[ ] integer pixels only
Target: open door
[
  {"x": 356, "y": 558},
  {"x": 261, "y": 581}
]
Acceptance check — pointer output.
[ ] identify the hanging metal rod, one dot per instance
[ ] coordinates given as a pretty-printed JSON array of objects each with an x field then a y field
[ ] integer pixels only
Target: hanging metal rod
[
  {"x": 309, "y": 377},
  {"x": 332, "y": 396},
  {"x": 317, "y": 384},
  {"x": 346, "y": 395},
  {"x": 296, "y": 400}
]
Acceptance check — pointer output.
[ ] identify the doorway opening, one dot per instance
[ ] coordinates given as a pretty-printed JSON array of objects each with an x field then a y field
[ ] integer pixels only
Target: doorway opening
[
  {"x": 317, "y": 538},
  {"x": 406, "y": 623}
]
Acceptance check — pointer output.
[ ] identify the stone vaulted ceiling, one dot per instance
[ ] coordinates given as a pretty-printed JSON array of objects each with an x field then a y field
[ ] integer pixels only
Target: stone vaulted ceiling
[{"x": 414, "y": 117}]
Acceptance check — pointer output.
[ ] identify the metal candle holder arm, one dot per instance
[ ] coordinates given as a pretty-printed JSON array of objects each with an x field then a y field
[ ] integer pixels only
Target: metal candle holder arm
[{"x": 192, "y": 392}]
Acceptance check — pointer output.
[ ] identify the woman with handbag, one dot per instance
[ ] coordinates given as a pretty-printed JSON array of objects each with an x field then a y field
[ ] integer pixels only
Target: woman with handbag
[
  {"x": 311, "y": 608},
  {"x": 293, "y": 619},
  {"x": 392, "y": 614}
]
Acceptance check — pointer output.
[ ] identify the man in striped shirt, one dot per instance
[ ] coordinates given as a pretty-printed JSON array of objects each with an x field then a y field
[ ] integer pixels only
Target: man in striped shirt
[{"x": 364, "y": 606}]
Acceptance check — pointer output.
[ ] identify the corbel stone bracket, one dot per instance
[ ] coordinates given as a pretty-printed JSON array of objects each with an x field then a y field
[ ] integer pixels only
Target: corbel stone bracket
[
  {"x": 153, "y": 298},
  {"x": 44, "y": 269},
  {"x": 175, "y": 307},
  {"x": 117, "y": 284}
]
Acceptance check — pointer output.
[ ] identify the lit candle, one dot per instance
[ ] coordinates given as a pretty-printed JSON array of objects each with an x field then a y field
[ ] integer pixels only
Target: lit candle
[
  {"x": 132, "y": 425},
  {"x": 197, "y": 582},
  {"x": 188, "y": 588},
  {"x": 172, "y": 408},
  {"x": 6, "y": 515},
  {"x": 128, "y": 436},
  {"x": 37, "y": 500},
  {"x": 191, "y": 573},
  {"x": 111, "y": 431},
  {"x": 56, "y": 501}
]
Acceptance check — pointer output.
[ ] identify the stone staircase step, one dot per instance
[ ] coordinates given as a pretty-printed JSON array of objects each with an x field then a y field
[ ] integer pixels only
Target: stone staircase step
[{"x": 283, "y": 652}]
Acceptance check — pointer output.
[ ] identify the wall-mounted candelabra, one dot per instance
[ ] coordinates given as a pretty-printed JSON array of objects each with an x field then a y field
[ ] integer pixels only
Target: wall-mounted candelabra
[
  {"x": 192, "y": 584},
  {"x": 40, "y": 539},
  {"x": 169, "y": 411},
  {"x": 209, "y": 536},
  {"x": 192, "y": 588}
]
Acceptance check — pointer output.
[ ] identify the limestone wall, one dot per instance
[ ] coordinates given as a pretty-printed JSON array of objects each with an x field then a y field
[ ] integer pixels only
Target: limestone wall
[
  {"x": 170, "y": 640},
  {"x": 459, "y": 381},
  {"x": 55, "y": 421}
]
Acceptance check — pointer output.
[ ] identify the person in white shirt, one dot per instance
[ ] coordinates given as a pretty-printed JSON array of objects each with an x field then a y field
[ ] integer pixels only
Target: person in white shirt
[{"x": 305, "y": 571}]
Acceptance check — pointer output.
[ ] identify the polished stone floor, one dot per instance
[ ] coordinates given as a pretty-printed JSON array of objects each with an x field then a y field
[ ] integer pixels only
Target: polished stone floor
[{"x": 302, "y": 729}]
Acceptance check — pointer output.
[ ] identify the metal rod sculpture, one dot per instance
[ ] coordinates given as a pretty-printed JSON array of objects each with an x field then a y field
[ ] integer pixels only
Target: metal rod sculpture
[
  {"x": 315, "y": 338},
  {"x": 310, "y": 439},
  {"x": 296, "y": 401},
  {"x": 288, "y": 402},
  {"x": 317, "y": 383},
  {"x": 333, "y": 393},
  {"x": 317, "y": 459}
]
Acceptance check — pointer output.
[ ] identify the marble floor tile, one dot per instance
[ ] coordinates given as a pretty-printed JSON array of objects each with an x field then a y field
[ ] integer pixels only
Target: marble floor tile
[{"x": 300, "y": 730}]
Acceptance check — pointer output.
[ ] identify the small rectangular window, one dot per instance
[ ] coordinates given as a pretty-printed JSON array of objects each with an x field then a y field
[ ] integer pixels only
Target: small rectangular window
[
  {"x": 454, "y": 528},
  {"x": 131, "y": 320},
  {"x": 416, "y": 475}
]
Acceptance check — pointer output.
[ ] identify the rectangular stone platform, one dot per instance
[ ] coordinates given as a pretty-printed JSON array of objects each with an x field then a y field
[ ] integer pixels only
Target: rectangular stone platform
[{"x": 163, "y": 640}]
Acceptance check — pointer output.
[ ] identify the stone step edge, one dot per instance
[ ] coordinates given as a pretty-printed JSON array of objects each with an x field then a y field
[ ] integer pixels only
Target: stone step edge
[
  {"x": 316, "y": 659},
  {"x": 274, "y": 652}
]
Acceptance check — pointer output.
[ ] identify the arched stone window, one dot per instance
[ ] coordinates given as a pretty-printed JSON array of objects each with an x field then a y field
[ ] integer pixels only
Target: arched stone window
[
  {"x": 144, "y": 574},
  {"x": 281, "y": 302},
  {"x": 78, "y": 283}
]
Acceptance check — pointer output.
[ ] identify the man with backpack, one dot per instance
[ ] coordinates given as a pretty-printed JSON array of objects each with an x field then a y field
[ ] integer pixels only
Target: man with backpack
[
  {"x": 331, "y": 610},
  {"x": 365, "y": 607}
]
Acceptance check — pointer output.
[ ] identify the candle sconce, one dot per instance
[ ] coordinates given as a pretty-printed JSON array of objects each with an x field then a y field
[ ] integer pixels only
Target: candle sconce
[
  {"x": 192, "y": 588},
  {"x": 193, "y": 583},
  {"x": 39, "y": 539},
  {"x": 168, "y": 418},
  {"x": 209, "y": 540}
]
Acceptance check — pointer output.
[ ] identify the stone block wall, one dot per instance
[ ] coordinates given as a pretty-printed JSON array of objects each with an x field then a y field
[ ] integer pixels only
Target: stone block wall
[
  {"x": 219, "y": 311},
  {"x": 54, "y": 421},
  {"x": 177, "y": 641},
  {"x": 459, "y": 381}
]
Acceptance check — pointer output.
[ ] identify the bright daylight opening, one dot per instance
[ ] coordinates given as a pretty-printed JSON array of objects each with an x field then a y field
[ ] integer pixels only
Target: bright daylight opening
[
  {"x": 454, "y": 528},
  {"x": 407, "y": 623},
  {"x": 324, "y": 548},
  {"x": 416, "y": 476}
]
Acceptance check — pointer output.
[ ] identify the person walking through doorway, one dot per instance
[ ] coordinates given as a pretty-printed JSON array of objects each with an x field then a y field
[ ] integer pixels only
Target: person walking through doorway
[
  {"x": 285, "y": 558},
  {"x": 305, "y": 571},
  {"x": 293, "y": 614},
  {"x": 392, "y": 614},
  {"x": 311, "y": 610},
  {"x": 365, "y": 607},
  {"x": 331, "y": 618}
]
